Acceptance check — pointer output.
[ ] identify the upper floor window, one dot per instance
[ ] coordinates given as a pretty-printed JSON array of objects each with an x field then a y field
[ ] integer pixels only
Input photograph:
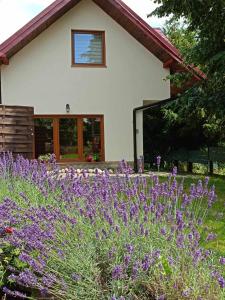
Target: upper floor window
[{"x": 88, "y": 48}]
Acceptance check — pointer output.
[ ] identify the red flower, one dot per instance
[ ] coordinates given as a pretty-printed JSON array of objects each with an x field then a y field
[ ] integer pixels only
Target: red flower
[{"x": 9, "y": 230}]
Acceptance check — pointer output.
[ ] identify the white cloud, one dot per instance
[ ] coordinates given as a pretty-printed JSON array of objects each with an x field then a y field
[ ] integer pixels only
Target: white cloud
[{"x": 16, "y": 13}]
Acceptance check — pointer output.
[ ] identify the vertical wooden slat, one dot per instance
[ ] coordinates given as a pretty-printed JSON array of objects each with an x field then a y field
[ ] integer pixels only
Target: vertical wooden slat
[
  {"x": 56, "y": 141},
  {"x": 102, "y": 139},
  {"x": 80, "y": 126}
]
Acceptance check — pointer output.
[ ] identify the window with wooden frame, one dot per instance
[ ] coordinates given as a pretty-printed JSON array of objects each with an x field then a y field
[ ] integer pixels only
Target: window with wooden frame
[
  {"x": 70, "y": 137},
  {"x": 88, "y": 48}
]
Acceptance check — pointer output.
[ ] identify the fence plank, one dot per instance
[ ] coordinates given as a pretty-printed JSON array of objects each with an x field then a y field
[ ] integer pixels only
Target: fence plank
[{"x": 16, "y": 130}]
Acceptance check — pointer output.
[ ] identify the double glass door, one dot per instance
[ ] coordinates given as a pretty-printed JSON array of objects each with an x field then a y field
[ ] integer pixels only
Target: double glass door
[{"x": 71, "y": 138}]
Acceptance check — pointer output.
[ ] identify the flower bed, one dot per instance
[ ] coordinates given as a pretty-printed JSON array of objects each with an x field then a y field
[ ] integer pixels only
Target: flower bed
[{"x": 103, "y": 237}]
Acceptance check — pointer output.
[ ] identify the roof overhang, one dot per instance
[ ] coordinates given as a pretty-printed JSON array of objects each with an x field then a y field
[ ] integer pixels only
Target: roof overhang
[{"x": 3, "y": 59}]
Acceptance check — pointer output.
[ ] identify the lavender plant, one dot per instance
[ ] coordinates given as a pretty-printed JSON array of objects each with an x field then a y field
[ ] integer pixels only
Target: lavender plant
[{"x": 102, "y": 237}]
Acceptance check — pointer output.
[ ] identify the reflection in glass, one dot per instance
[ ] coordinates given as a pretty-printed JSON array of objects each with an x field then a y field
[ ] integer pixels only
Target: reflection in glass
[
  {"x": 43, "y": 136},
  {"x": 88, "y": 48},
  {"x": 92, "y": 138},
  {"x": 68, "y": 140}
]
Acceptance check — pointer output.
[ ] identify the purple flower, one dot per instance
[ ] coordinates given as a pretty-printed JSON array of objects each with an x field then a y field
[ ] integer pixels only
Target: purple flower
[
  {"x": 14, "y": 294},
  {"x": 221, "y": 282},
  {"x": 186, "y": 293},
  {"x": 129, "y": 248},
  {"x": 146, "y": 263},
  {"x": 163, "y": 231},
  {"x": 127, "y": 260},
  {"x": 161, "y": 297},
  {"x": 211, "y": 237},
  {"x": 112, "y": 253},
  {"x": 222, "y": 260},
  {"x": 135, "y": 270},
  {"x": 180, "y": 241},
  {"x": 158, "y": 161},
  {"x": 174, "y": 172},
  {"x": 206, "y": 181},
  {"x": 76, "y": 277},
  {"x": 117, "y": 272}
]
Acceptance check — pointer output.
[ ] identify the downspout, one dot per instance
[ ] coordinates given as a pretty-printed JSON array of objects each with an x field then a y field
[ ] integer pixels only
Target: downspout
[
  {"x": 142, "y": 108},
  {"x": 0, "y": 86}
]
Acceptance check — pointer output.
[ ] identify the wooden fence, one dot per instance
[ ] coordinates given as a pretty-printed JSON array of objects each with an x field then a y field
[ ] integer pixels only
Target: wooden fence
[
  {"x": 17, "y": 130},
  {"x": 204, "y": 156}
]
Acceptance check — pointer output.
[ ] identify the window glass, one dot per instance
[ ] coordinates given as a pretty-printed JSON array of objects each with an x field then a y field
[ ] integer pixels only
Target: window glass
[
  {"x": 68, "y": 139},
  {"x": 72, "y": 138},
  {"x": 92, "y": 138},
  {"x": 88, "y": 48},
  {"x": 43, "y": 137}
]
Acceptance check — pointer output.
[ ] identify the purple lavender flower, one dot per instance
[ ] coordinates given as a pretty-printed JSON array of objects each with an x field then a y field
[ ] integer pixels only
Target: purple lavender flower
[
  {"x": 127, "y": 260},
  {"x": 117, "y": 272},
  {"x": 14, "y": 294},
  {"x": 135, "y": 270},
  {"x": 146, "y": 263},
  {"x": 161, "y": 297},
  {"x": 186, "y": 293},
  {"x": 76, "y": 277},
  {"x": 221, "y": 282},
  {"x": 211, "y": 236},
  {"x": 174, "y": 172},
  {"x": 163, "y": 231},
  {"x": 158, "y": 161},
  {"x": 222, "y": 260},
  {"x": 180, "y": 241},
  {"x": 206, "y": 181}
]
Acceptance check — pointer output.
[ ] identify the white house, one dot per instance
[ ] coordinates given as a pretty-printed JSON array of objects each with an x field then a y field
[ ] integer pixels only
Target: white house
[{"x": 84, "y": 66}]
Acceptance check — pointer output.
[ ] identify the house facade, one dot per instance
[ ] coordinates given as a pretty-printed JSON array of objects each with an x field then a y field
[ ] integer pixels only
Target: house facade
[{"x": 84, "y": 66}]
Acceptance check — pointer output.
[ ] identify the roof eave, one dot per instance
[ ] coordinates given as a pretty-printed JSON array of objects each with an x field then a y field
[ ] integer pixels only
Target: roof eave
[{"x": 3, "y": 59}]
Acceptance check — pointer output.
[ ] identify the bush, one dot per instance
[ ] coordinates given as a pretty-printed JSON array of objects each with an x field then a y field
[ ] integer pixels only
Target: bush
[{"x": 105, "y": 237}]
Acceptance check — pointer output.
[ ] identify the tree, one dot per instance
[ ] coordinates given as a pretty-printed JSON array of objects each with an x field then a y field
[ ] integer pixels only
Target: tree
[
  {"x": 197, "y": 29},
  {"x": 206, "y": 19},
  {"x": 203, "y": 104}
]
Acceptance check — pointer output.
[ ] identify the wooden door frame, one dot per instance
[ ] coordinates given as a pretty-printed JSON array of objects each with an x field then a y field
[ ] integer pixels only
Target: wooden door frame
[{"x": 56, "y": 144}]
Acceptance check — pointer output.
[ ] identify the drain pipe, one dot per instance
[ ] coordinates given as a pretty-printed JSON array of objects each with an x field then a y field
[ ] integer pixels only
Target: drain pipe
[
  {"x": 142, "y": 108},
  {"x": 0, "y": 86}
]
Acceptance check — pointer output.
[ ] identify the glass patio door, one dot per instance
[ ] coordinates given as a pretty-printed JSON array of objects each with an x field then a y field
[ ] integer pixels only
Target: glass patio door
[
  {"x": 71, "y": 138},
  {"x": 68, "y": 139}
]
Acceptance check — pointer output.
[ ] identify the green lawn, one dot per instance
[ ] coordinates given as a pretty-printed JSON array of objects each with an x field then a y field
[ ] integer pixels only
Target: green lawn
[{"x": 215, "y": 221}]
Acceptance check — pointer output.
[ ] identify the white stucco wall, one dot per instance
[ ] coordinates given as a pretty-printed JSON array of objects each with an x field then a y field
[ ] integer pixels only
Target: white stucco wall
[{"x": 41, "y": 75}]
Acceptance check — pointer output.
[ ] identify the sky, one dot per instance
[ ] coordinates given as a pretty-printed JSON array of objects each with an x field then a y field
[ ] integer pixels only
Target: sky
[{"x": 16, "y": 13}]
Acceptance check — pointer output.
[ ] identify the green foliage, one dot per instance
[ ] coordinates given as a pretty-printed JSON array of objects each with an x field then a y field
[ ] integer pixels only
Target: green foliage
[
  {"x": 45, "y": 157},
  {"x": 202, "y": 38},
  {"x": 206, "y": 18},
  {"x": 182, "y": 38},
  {"x": 197, "y": 29},
  {"x": 9, "y": 257}
]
